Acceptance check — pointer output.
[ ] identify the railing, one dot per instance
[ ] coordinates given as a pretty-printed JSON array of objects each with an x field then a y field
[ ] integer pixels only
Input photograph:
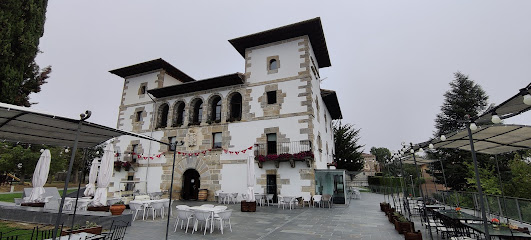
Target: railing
[
  {"x": 264, "y": 149},
  {"x": 283, "y": 151},
  {"x": 518, "y": 209}
]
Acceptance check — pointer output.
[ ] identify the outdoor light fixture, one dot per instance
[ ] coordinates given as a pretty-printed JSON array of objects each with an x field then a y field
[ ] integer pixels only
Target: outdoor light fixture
[
  {"x": 66, "y": 150},
  {"x": 430, "y": 146},
  {"x": 527, "y": 99},
  {"x": 473, "y": 126},
  {"x": 412, "y": 151},
  {"x": 42, "y": 150},
  {"x": 443, "y": 138},
  {"x": 495, "y": 118},
  {"x": 421, "y": 150}
]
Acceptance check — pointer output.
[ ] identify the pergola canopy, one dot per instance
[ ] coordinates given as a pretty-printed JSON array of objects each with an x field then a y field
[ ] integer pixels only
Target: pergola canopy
[
  {"x": 21, "y": 124},
  {"x": 491, "y": 139},
  {"x": 510, "y": 108}
]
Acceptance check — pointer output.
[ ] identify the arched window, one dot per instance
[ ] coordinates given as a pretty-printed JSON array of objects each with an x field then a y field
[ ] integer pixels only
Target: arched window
[
  {"x": 215, "y": 114},
  {"x": 273, "y": 64},
  {"x": 198, "y": 112},
  {"x": 163, "y": 116},
  {"x": 179, "y": 114},
  {"x": 236, "y": 107}
]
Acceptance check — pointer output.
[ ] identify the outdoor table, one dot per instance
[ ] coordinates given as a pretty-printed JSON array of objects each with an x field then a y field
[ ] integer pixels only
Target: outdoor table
[
  {"x": 500, "y": 232},
  {"x": 259, "y": 197},
  {"x": 77, "y": 236},
  {"x": 212, "y": 210},
  {"x": 459, "y": 216},
  {"x": 435, "y": 206}
]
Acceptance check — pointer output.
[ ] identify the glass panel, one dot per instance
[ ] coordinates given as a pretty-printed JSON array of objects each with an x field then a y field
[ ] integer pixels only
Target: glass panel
[
  {"x": 273, "y": 64},
  {"x": 272, "y": 137}
]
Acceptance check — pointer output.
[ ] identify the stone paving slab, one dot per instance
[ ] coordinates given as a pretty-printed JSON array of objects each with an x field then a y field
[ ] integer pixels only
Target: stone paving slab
[{"x": 361, "y": 219}]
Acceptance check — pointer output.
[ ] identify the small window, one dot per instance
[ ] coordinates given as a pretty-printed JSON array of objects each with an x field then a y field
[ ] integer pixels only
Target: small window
[
  {"x": 216, "y": 110},
  {"x": 139, "y": 116},
  {"x": 273, "y": 64},
  {"x": 172, "y": 141},
  {"x": 143, "y": 89},
  {"x": 179, "y": 115},
  {"x": 272, "y": 143},
  {"x": 236, "y": 107},
  {"x": 198, "y": 112},
  {"x": 272, "y": 97},
  {"x": 134, "y": 152},
  {"x": 216, "y": 137}
]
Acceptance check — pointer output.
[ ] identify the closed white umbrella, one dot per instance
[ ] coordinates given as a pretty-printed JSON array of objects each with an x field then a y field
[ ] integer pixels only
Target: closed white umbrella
[
  {"x": 251, "y": 179},
  {"x": 89, "y": 190},
  {"x": 40, "y": 175},
  {"x": 104, "y": 177}
]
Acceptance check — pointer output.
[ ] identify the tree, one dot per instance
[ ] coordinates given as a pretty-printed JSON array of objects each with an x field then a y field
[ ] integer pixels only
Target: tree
[
  {"x": 21, "y": 27},
  {"x": 382, "y": 154},
  {"x": 465, "y": 97},
  {"x": 348, "y": 155}
]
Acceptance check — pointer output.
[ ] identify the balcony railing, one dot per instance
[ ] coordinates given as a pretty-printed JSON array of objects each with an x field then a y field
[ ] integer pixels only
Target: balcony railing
[{"x": 283, "y": 152}]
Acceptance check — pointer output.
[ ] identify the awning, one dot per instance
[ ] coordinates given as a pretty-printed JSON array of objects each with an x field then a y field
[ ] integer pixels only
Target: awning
[
  {"x": 421, "y": 161},
  {"x": 510, "y": 108},
  {"x": 25, "y": 125},
  {"x": 491, "y": 139}
]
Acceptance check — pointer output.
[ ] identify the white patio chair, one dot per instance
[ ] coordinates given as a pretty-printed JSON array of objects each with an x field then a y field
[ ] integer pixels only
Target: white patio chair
[
  {"x": 183, "y": 214},
  {"x": 156, "y": 206},
  {"x": 202, "y": 216},
  {"x": 269, "y": 198},
  {"x": 165, "y": 206},
  {"x": 182, "y": 207},
  {"x": 234, "y": 197},
  {"x": 223, "y": 217},
  {"x": 280, "y": 201},
  {"x": 208, "y": 205},
  {"x": 287, "y": 200},
  {"x": 244, "y": 196},
  {"x": 317, "y": 199},
  {"x": 306, "y": 197},
  {"x": 216, "y": 195},
  {"x": 136, "y": 207},
  {"x": 82, "y": 206},
  {"x": 224, "y": 197},
  {"x": 220, "y": 208}
]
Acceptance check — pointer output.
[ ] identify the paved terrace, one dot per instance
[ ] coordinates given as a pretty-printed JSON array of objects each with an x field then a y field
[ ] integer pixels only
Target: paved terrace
[{"x": 362, "y": 219}]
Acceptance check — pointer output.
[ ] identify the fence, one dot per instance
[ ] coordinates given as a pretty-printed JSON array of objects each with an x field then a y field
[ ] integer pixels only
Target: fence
[{"x": 518, "y": 209}]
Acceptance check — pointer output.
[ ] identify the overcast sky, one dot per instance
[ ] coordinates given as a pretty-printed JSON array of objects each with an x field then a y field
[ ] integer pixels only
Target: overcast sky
[{"x": 392, "y": 60}]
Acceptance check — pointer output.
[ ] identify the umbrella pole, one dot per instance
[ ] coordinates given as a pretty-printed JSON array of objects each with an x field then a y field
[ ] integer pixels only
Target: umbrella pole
[
  {"x": 72, "y": 156},
  {"x": 174, "y": 146},
  {"x": 478, "y": 184},
  {"x": 501, "y": 188},
  {"x": 404, "y": 197},
  {"x": 79, "y": 186}
]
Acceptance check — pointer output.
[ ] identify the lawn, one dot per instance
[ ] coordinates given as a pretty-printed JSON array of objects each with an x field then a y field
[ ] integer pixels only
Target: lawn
[
  {"x": 16, "y": 228},
  {"x": 10, "y": 197}
]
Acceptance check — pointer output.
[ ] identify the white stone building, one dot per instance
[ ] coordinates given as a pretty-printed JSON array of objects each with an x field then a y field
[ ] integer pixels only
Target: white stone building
[{"x": 276, "y": 106}]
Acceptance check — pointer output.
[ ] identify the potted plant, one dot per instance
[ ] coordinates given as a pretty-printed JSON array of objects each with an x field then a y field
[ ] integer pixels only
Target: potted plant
[
  {"x": 117, "y": 166},
  {"x": 117, "y": 208},
  {"x": 89, "y": 227},
  {"x": 126, "y": 165}
]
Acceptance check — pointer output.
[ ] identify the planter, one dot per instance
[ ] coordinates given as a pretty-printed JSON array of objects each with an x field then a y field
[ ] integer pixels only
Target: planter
[
  {"x": 248, "y": 206},
  {"x": 413, "y": 235},
  {"x": 127, "y": 168},
  {"x": 93, "y": 230},
  {"x": 98, "y": 209},
  {"x": 384, "y": 206},
  {"x": 39, "y": 204},
  {"x": 117, "y": 209},
  {"x": 405, "y": 227},
  {"x": 117, "y": 169}
]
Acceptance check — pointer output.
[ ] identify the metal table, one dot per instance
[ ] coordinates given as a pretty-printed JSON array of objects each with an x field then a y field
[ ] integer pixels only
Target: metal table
[
  {"x": 499, "y": 232},
  {"x": 459, "y": 216}
]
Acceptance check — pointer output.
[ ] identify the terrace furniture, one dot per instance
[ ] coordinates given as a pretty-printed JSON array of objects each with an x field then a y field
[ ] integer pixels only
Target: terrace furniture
[
  {"x": 259, "y": 197},
  {"x": 183, "y": 214},
  {"x": 216, "y": 195},
  {"x": 497, "y": 232},
  {"x": 317, "y": 199},
  {"x": 413, "y": 235},
  {"x": 233, "y": 197},
  {"x": 327, "y": 198},
  {"x": 156, "y": 206},
  {"x": 208, "y": 205},
  {"x": 202, "y": 216},
  {"x": 117, "y": 230},
  {"x": 223, "y": 217},
  {"x": 306, "y": 197},
  {"x": 224, "y": 197},
  {"x": 269, "y": 198},
  {"x": 137, "y": 207}
]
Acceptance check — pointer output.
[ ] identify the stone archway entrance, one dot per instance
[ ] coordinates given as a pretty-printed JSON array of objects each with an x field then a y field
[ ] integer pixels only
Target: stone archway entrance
[{"x": 190, "y": 185}]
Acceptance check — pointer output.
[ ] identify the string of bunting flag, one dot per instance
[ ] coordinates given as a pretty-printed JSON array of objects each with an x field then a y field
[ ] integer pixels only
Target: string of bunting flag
[{"x": 204, "y": 152}]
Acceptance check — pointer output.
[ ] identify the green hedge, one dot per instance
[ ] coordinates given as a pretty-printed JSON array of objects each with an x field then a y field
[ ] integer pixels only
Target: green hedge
[{"x": 384, "y": 181}]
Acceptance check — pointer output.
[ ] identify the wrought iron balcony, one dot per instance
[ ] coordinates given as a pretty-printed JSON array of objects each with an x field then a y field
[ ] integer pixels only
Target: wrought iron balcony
[{"x": 284, "y": 152}]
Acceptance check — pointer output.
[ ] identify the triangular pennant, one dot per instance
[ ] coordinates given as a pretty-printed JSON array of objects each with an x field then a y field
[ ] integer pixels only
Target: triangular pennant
[
  {"x": 151, "y": 158},
  {"x": 244, "y": 150},
  {"x": 237, "y": 153},
  {"x": 145, "y": 158},
  {"x": 251, "y": 147}
]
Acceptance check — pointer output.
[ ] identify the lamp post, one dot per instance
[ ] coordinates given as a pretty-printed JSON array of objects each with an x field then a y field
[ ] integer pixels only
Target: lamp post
[{"x": 173, "y": 146}]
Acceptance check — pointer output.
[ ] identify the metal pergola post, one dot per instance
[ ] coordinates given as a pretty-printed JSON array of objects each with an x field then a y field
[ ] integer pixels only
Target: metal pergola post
[
  {"x": 445, "y": 184},
  {"x": 79, "y": 187},
  {"x": 404, "y": 197},
  {"x": 67, "y": 180},
  {"x": 478, "y": 182},
  {"x": 421, "y": 192},
  {"x": 173, "y": 146},
  {"x": 501, "y": 188}
]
